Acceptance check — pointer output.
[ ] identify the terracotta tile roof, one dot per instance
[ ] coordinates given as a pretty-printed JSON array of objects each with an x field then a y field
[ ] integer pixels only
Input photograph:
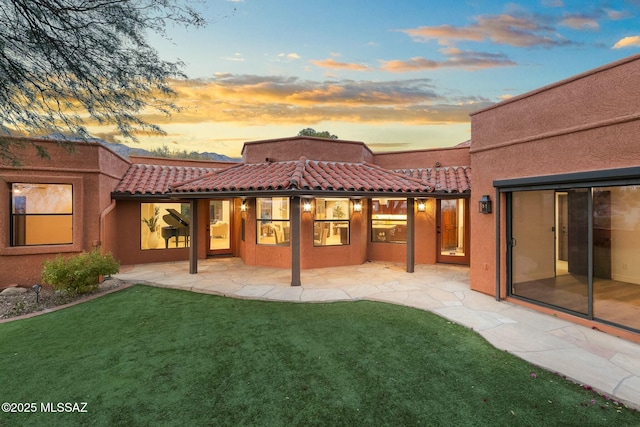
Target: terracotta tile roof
[
  {"x": 453, "y": 179},
  {"x": 304, "y": 174},
  {"x": 155, "y": 179}
]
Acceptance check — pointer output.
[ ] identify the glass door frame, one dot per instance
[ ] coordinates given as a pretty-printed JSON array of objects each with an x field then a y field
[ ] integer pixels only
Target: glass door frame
[
  {"x": 453, "y": 259},
  {"x": 590, "y": 180},
  {"x": 511, "y": 242},
  {"x": 230, "y": 230}
]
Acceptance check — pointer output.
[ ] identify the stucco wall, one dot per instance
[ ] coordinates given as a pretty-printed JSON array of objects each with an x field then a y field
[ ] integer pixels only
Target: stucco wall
[
  {"x": 91, "y": 169},
  {"x": 586, "y": 123},
  {"x": 358, "y": 251},
  {"x": 431, "y": 158},
  {"x": 146, "y": 160},
  {"x": 312, "y": 148},
  {"x": 128, "y": 232},
  {"x": 328, "y": 256}
]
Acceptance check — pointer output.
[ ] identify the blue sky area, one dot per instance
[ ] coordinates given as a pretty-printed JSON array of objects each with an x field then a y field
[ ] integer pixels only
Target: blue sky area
[{"x": 397, "y": 75}]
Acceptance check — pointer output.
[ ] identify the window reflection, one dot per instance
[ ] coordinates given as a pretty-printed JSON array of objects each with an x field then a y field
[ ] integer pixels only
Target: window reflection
[
  {"x": 272, "y": 215},
  {"x": 331, "y": 222},
  {"x": 389, "y": 220},
  {"x": 41, "y": 214}
]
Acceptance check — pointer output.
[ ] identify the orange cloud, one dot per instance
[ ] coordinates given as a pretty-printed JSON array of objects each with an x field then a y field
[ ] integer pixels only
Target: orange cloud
[
  {"x": 335, "y": 65},
  {"x": 456, "y": 59},
  {"x": 627, "y": 42},
  {"x": 520, "y": 31},
  {"x": 250, "y": 100}
]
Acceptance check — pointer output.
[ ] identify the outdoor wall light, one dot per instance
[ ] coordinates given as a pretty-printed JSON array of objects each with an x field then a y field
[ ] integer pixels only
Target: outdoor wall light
[
  {"x": 243, "y": 206},
  {"x": 357, "y": 206},
  {"x": 422, "y": 206},
  {"x": 306, "y": 206},
  {"x": 485, "y": 204}
]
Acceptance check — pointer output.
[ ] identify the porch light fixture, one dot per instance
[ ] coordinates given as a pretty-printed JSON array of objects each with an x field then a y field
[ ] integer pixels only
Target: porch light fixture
[
  {"x": 357, "y": 206},
  {"x": 306, "y": 206},
  {"x": 422, "y": 205},
  {"x": 243, "y": 206},
  {"x": 485, "y": 204}
]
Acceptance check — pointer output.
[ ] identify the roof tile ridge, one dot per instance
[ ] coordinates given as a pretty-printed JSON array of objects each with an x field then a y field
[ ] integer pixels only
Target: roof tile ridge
[
  {"x": 206, "y": 175},
  {"x": 298, "y": 173},
  {"x": 171, "y": 167},
  {"x": 397, "y": 174}
]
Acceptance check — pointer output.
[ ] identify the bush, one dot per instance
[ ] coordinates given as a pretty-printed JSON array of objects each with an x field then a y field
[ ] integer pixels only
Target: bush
[{"x": 79, "y": 274}]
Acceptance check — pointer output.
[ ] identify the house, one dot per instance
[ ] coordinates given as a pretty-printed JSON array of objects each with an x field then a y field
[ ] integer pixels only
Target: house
[
  {"x": 562, "y": 167},
  {"x": 549, "y": 218},
  {"x": 293, "y": 203}
]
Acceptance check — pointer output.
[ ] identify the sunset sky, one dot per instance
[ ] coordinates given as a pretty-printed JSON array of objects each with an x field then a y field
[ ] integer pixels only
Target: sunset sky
[{"x": 397, "y": 75}]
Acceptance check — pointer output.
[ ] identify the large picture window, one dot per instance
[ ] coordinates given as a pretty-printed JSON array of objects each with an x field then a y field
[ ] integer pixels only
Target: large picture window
[
  {"x": 389, "y": 220},
  {"x": 164, "y": 225},
  {"x": 41, "y": 214},
  {"x": 331, "y": 222},
  {"x": 273, "y": 221}
]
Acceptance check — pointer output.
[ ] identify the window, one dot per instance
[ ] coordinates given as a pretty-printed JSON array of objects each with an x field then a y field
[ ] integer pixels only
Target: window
[
  {"x": 389, "y": 220},
  {"x": 273, "y": 221},
  {"x": 164, "y": 225},
  {"x": 41, "y": 214},
  {"x": 331, "y": 222}
]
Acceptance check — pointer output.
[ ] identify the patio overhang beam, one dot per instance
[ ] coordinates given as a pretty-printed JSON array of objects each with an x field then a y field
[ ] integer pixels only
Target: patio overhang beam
[
  {"x": 164, "y": 197},
  {"x": 271, "y": 193},
  {"x": 310, "y": 193}
]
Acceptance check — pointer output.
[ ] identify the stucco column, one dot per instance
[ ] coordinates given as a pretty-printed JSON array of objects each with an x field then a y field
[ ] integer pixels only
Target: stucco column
[
  {"x": 411, "y": 246},
  {"x": 295, "y": 241},
  {"x": 193, "y": 233}
]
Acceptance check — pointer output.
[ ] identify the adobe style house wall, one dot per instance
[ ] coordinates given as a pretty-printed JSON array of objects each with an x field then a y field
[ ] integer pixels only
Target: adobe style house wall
[
  {"x": 359, "y": 250},
  {"x": 588, "y": 122},
  {"x": 128, "y": 250},
  {"x": 428, "y": 158},
  {"x": 92, "y": 170},
  {"x": 312, "y": 148},
  {"x": 115, "y": 225},
  {"x": 162, "y": 161},
  {"x": 327, "y": 256}
]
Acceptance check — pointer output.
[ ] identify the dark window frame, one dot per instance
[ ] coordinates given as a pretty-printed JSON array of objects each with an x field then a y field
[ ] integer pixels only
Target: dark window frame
[{"x": 18, "y": 220}]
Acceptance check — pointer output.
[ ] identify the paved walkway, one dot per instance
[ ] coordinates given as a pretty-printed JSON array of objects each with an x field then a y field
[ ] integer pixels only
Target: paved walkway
[{"x": 608, "y": 364}]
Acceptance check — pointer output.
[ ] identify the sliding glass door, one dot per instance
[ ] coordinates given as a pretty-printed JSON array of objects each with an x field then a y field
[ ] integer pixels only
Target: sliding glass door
[
  {"x": 538, "y": 272},
  {"x": 576, "y": 249}
]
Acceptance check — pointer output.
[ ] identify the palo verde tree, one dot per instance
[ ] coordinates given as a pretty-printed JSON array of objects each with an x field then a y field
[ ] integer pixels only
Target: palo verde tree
[
  {"x": 65, "y": 64},
  {"x": 317, "y": 134}
]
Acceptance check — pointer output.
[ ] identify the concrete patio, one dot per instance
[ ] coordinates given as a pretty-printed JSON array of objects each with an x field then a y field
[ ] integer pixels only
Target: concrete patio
[{"x": 608, "y": 364}]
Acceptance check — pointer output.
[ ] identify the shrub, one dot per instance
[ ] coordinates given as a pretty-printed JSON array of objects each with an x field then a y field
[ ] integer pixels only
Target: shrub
[{"x": 78, "y": 274}]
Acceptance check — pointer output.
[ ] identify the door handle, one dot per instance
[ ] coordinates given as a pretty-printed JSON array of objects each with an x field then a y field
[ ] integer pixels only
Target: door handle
[{"x": 513, "y": 242}]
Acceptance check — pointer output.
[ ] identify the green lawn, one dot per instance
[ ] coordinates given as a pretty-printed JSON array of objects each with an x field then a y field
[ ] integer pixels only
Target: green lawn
[{"x": 149, "y": 356}]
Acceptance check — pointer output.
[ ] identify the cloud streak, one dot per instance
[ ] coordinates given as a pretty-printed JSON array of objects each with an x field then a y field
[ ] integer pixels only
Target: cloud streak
[
  {"x": 631, "y": 41},
  {"x": 580, "y": 22},
  {"x": 252, "y": 100},
  {"x": 336, "y": 65},
  {"x": 508, "y": 29},
  {"x": 517, "y": 28},
  {"x": 456, "y": 59}
]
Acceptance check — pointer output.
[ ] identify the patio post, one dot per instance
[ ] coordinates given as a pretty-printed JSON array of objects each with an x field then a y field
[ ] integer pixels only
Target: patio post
[
  {"x": 295, "y": 241},
  {"x": 193, "y": 233},
  {"x": 410, "y": 235}
]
